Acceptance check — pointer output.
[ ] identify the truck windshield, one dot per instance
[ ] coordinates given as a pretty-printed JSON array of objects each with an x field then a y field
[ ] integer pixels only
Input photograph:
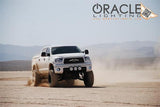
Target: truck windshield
[{"x": 65, "y": 49}]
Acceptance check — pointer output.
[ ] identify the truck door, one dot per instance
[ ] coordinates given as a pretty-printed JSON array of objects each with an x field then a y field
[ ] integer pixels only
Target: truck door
[
  {"x": 41, "y": 60},
  {"x": 47, "y": 58}
]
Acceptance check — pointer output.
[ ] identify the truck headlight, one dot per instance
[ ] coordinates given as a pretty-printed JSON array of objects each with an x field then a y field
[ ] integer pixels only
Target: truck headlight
[
  {"x": 87, "y": 59},
  {"x": 58, "y": 60}
]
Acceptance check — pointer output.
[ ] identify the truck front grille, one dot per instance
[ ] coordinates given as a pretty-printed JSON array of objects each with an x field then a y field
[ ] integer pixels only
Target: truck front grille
[{"x": 73, "y": 60}]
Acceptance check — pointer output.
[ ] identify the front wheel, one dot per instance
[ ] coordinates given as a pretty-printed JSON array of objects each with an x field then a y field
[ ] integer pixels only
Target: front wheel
[
  {"x": 88, "y": 79},
  {"x": 52, "y": 78}
]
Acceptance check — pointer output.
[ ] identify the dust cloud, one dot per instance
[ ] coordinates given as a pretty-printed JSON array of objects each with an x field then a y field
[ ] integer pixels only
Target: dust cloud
[
  {"x": 104, "y": 76},
  {"x": 115, "y": 71},
  {"x": 109, "y": 69}
]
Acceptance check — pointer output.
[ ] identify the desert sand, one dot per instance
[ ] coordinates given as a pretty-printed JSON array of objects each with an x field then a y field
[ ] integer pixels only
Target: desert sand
[{"x": 136, "y": 88}]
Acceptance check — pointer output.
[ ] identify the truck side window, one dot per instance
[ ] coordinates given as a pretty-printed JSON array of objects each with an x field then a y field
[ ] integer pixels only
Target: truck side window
[{"x": 43, "y": 54}]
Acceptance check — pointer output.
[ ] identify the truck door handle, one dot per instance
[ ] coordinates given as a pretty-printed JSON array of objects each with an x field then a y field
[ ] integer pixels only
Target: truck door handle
[
  {"x": 44, "y": 59},
  {"x": 38, "y": 59}
]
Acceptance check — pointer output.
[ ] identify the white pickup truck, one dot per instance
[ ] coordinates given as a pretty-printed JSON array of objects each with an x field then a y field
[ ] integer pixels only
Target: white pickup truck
[{"x": 62, "y": 63}]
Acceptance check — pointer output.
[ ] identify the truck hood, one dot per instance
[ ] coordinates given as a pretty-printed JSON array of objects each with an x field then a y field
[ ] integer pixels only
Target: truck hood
[{"x": 69, "y": 55}]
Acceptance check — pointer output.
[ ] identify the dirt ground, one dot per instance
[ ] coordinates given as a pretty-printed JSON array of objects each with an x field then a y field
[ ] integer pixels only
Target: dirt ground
[{"x": 14, "y": 92}]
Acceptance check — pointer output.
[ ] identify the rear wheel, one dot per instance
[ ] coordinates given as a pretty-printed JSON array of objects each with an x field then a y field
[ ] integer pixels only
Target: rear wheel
[
  {"x": 35, "y": 78},
  {"x": 88, "y": 79},
  {"x": 52, "y": 78}
]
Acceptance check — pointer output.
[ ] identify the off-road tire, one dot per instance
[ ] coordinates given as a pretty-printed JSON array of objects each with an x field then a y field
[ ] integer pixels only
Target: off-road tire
[
  {"x": 52, "y": 78},
  {"x": 35, "y": 78},
  {"x": 88, "y": 79}
]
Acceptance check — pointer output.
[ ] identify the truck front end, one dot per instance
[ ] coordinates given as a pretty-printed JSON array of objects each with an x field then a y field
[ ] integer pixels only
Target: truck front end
[{"x": 72, "y": 67}]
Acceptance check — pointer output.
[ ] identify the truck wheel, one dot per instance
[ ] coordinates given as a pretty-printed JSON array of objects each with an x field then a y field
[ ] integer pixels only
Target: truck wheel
[
  {"x": 53, "y": 79},
  {"x": 88, "y": 79},
  {"x": 35, "y": 78}
]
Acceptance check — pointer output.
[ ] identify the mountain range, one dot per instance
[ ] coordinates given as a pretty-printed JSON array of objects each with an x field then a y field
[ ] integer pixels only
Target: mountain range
[{"x": 130, "y": 49}]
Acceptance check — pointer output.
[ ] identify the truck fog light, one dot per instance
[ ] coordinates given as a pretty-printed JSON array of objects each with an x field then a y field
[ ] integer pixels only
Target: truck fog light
[
  {"x": 79, "y": 68},
  {"x": 58, "y": 69},
  {"x": 75, "y": 68},
  {"x": 90, "y": 68},
  {"x": 71, "y": 68}
]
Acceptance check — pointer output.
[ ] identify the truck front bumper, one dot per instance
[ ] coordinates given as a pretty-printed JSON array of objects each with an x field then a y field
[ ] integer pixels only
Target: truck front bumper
[{"x": 59, "y": 68}]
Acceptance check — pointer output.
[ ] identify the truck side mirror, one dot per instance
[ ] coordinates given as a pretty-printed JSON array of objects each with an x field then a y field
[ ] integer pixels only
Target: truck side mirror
[
  {"x": 86, "y": 51},
  {"x": 43, "y": 54}
]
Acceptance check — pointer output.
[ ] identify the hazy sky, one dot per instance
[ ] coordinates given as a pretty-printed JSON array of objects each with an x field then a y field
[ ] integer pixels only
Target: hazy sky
[{"x": 70, "y": 22}]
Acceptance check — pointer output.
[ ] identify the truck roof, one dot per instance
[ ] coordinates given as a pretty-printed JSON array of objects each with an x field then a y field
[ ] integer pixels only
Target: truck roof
[{"x": 57, "y": 46}]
